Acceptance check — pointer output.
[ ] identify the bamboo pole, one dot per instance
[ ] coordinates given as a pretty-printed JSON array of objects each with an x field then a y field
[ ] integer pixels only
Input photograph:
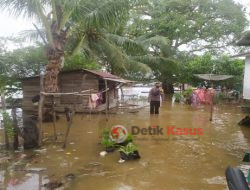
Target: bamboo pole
[
  {"x": 7, "y": 143},
  {"x": 84, "y": 109},
  {"x": 90, "y": 110},
  {"x": 66, "y": 93},
  {"x": 211, "y": 108},
  {"x": 106, "y": 101},
  {"x": 122, "y": 94},
  {"x": 69, "y": 118},
  {"x": 211, "y": 112},
  {"x": 40, "y": 111}
]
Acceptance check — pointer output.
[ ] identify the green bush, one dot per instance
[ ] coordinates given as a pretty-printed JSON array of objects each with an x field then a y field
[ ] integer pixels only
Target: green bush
[
  {"x": 8, "y": 124},
  {"x": 129, "y": 149},
  {"x": 106, "y": 133},
  {"x": 108, "y": 143},
  {"x": 129, "y": 138},
  {"x": 187, "y": 93},
  {"x": 178, "y": 97}
]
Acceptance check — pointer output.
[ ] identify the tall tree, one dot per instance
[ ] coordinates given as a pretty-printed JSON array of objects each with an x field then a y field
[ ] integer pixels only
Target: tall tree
[
  {"x": 199, "y": 24},
  {"x": 222, "y": 65},
  {"x": 189, "y": 26},
  {"x": 25, "y": 62},
  {"x": 60, "y": 19}
]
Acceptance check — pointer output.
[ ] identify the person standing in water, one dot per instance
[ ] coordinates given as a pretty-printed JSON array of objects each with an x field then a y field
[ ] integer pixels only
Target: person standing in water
[{"x": 154, "y": 97}]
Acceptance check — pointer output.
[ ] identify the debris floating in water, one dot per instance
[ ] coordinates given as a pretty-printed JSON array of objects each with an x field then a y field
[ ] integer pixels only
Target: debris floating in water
[
  {"x": 41, "y": 150},
  {"x": 53, "y": 185},
  {"x": 70, "y": 176},
  {"x": 36, "y": 169},
  {"x": 103, "y": 153},
  {"x": 60, "y": 150},
  {"x": 121, "y": 161}
]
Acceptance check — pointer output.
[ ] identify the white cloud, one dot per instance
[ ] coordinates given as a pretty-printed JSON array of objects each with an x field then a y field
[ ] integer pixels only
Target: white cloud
[{"x": 11, "y": 25}]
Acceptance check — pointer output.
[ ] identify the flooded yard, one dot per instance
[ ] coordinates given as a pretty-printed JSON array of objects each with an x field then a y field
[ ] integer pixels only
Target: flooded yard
[{"x": 179, "y": 164}]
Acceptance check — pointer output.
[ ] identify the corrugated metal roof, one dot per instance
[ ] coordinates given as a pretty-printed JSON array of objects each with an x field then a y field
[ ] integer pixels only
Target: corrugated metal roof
[
  {"x": 101, "y": 74},
  {"x": 121, "y": 80}
]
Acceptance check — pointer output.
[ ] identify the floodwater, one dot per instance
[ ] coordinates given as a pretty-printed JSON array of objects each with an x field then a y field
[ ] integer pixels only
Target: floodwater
[{"x": 193, "y": 163}]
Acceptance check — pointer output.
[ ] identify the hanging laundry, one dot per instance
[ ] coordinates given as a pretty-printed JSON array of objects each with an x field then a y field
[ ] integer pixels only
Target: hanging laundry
[
  {"x": 195, "y": 99},
  {"x": 93, "y": 101},
  {"x": 100, "y": 99},
  {"x": 203, "y": 96}
]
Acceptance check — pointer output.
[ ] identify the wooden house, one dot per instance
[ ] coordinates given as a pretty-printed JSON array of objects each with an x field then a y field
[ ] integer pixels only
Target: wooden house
[
  {"x": 245, "y": 41},
  {"x": 89, "y": 81}
]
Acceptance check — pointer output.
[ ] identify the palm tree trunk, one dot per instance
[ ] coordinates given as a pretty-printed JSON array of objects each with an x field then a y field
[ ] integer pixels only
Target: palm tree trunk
[
  {"x": 55, "y": 55},
  {"x": 56, "y": 59}
]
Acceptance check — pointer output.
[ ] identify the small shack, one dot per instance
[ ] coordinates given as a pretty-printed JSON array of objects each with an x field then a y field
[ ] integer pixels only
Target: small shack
[{"x": 90, "y": 81}]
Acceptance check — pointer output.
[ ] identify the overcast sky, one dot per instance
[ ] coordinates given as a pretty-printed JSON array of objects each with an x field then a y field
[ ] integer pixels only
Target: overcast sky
[{"x": 11, "y": 26}]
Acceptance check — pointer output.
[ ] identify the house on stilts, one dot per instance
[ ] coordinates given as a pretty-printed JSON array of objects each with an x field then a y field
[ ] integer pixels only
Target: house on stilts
[{"x": 101, "y": 85}]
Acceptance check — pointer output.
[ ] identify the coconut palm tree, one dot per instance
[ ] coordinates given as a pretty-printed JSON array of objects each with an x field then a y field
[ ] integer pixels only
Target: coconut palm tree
[{"x": 70, "y": 25}]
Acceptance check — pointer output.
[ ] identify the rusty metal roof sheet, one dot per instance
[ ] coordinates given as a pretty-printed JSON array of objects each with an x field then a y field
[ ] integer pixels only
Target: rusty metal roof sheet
[{"x": 101, "y": 74}]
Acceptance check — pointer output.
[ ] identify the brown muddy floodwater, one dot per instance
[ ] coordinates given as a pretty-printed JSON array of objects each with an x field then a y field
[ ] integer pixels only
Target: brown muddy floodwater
[{"x": 171, "y": 165}]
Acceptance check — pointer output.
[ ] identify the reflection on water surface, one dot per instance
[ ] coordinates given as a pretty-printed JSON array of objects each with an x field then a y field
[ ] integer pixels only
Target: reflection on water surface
[{"x": 178, "y": 165}]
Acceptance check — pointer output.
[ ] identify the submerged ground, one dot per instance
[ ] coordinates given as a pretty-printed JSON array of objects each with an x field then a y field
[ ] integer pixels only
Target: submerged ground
[{"x": 179, "y": 165}]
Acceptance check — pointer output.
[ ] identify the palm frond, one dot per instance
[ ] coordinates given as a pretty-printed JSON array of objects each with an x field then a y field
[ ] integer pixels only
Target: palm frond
[
  {"x": 68, "y": 7},
  {"x": 27, "y": 8},
  {"x": 31, "y": 35},
  {"x": 113, "y": 55},
  {"x": 102, "y": 13},
  {"x": 139, "y": 67},
  {"x": 156, "y": 61},
  {"x": 130, "y": 46},
  {"x": 156, "y": 40},
  {"x": 31, "y": 9}
]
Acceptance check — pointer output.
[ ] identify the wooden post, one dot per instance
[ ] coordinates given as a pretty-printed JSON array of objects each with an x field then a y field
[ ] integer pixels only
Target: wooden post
[
  {"x": 90, "y": 109},
  {"x": 54, "y": 117},
  {"x": 212, "y": 107},
  {"x": 211, "y": 111},
  {"x": 122, "y": 94},
  {"x": 7, "y": 144},
  {"x": 106, "y": 101},
  {"x": 40, "y": 111},
  {"x": 82, "y": 87},
  {"x": 15, "y": 127},
  {"x": 69, "y": 118}
]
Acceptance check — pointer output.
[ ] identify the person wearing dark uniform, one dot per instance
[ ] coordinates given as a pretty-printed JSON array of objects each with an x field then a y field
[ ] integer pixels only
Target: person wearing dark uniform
[{"x": 154, "y": 97}]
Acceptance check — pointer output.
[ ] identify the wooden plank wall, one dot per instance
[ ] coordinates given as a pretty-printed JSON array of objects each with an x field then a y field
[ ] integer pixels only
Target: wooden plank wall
[
  {"x": 76, "y": 82},
  {"x": 68, "y": 82},
  {"x": 31, "y": 88}
]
